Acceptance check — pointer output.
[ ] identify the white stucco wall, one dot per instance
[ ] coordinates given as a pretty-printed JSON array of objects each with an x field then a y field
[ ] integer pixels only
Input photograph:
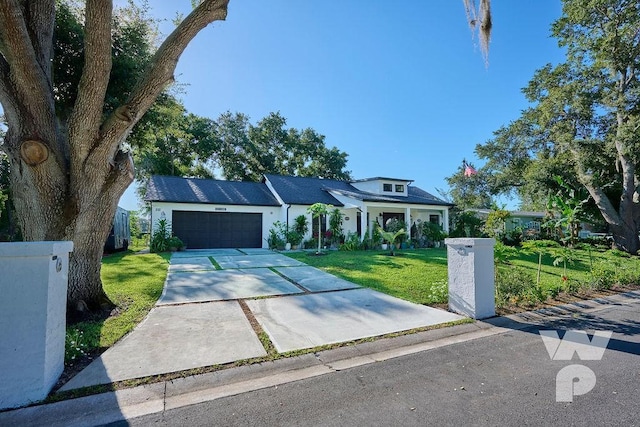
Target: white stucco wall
[{"x": 270, "y": 214}]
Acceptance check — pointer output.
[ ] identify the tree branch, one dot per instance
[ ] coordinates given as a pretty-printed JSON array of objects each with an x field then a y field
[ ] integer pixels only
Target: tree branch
[
  {"x": 42, "y": 19},
  {"x": 158, "y": 74},
  {"x": 25, "y": 73},
  {"x": 85, "y": 119},
  {"x": 601, "y": 200}
]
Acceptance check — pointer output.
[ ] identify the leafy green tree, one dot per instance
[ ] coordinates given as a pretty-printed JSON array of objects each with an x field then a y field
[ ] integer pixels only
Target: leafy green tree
[
  {"x": 68, "y": 116},
  {"x": 496, "y": 223},
  {"x": 248, "y": 151},
  {"x": 570, "y": 211},
  {"x": 318, "y": 210},
  {"x": 585, "y": 115},
  {"x": 469, "y": 190},
  {"x": 172, "y": 142}
]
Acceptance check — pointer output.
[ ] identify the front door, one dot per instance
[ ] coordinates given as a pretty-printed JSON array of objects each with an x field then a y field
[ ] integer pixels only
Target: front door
[{"x": 387, "y": 216}]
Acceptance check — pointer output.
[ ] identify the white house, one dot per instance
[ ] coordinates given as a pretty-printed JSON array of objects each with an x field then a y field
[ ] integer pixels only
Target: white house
[{"x": 207, "y": 213}]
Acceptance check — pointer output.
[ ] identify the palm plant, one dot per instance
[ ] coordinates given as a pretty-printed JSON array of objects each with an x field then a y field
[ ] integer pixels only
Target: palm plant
[{"x": 392, "y": 237}]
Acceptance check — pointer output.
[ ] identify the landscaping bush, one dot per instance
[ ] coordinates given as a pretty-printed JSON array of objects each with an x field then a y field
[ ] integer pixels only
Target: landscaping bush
[
  {"x": 277, "y": 235},
  {"x": 513, "y": 285},
  {"x": 162, "y": 239},
  {"x": 351, "y": 242}
]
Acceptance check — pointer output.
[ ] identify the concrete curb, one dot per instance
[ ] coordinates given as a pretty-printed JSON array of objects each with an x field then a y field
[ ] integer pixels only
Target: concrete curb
[{"x": 153, "y": 398}]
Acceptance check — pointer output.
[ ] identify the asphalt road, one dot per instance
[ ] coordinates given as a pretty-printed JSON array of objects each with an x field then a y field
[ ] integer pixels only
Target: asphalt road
[{"x": 505, "y": 379}]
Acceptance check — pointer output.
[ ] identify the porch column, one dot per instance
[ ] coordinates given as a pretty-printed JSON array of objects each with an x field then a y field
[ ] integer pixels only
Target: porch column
[
  {"x": 364, "y": 224},
  {"x": 445, "y": 220},
  {"x": 407, "y": 219}
]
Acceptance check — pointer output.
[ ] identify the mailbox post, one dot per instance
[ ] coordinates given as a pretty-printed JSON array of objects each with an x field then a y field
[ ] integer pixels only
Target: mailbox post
[
  {"x": 471, "y": 276},
  {"x": 33, "y": 302}
]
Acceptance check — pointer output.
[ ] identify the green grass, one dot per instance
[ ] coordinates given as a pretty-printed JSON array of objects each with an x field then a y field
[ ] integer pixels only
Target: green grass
[
  {"x": 581, "y": 269},
  {"x": 418, "y": 276},
  {"x": 134, "y": 283}
]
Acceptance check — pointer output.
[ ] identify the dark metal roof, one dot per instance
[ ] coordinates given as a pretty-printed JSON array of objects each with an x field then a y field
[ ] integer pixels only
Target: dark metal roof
[
  {"x": 195, "y": 190},
  {"x": 297, "y": 190},
  {"x": 306, "y": 191}
]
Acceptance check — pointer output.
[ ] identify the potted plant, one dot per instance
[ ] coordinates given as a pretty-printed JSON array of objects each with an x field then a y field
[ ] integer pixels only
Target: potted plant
[
  {"x": 301, "y": 225},
  {"x": 294, "y": 238}
]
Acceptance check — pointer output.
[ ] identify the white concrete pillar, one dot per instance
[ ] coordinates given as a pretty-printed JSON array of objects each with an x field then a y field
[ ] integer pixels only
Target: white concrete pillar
[
  {"x": 471, "y": 277},
  {"x": 364, "y": 224},
  {"x": 33, "y": 303},
  {"x": 445, "y": 220}
]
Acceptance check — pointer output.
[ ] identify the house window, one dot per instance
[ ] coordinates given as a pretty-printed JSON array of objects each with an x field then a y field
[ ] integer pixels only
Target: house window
[
  {"x": 386, "y": 187},
  {"x": 399, "y": 188},
  {"x": 435, "y": 219}
]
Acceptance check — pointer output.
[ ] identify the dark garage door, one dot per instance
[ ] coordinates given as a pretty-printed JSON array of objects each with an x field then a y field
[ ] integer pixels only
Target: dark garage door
[{"x": 205, "y": 230}]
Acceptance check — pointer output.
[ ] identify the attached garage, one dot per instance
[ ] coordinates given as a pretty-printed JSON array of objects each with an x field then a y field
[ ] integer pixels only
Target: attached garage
[{"x": 207, "y": 230}]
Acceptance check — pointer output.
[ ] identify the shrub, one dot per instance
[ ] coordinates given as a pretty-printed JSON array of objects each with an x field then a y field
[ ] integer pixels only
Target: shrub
[
  {"x": 513, "y": 285},
  {"x": 439, "y": 292},
  {"x": 301, "y": 225},
  {"x": 433, "y": 232},
  {"x": 603, "y": 276},
  {"x": 277, "y": 235},
  {"x": 160, "y": 238},
  {"x": 335, "y": 234},
  {"x": 163, "y": 240},
  {"x": 351, "y": 242},
  {"x": 502, "y": 253},
  {"x": 376, "y": 235},
  {"x": 175, "y": 243},
  {"x": 294, "y": 237}
]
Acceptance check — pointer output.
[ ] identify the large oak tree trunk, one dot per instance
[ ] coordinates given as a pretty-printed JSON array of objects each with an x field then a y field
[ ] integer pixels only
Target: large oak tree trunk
[{"x": 68, "y": 171}]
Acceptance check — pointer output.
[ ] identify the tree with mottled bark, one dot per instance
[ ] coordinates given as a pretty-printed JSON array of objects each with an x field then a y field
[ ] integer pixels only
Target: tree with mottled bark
[
  {"x": 68, "y": 171},
  {"x": 584, "y": 123}
]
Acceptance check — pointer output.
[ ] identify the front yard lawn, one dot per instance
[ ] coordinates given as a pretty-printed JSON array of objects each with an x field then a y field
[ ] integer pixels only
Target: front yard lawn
[{"x": 418, "y": 276}]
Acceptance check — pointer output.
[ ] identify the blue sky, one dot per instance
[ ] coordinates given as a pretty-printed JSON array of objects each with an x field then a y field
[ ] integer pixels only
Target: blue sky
[{"x": 400, "y": 86}]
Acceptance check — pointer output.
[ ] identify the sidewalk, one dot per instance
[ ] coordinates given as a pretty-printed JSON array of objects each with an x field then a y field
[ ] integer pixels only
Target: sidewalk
[{"x": 154, "y": 398}]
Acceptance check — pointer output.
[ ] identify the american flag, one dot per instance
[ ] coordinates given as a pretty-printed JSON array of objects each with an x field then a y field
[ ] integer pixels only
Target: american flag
[{"x": 469, "y": 170}]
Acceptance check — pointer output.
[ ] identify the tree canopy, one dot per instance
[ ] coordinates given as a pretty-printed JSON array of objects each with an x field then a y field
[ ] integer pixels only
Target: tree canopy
[
  {"x": 247, "y": 151},
  {"x": 584, "y": 122}
]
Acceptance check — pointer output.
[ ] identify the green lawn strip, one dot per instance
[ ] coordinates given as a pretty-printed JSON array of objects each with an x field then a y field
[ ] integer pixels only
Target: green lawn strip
[
  {"x": 134, "y": 283},
  {"x": 580, "y": 270},
  {"x": 215, "y": 263},
  {"x": 418, "y": 276}
]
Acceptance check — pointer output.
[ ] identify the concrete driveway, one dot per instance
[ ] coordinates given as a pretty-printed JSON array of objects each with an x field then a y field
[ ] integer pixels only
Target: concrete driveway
[{"x": 200, "y": 321}]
